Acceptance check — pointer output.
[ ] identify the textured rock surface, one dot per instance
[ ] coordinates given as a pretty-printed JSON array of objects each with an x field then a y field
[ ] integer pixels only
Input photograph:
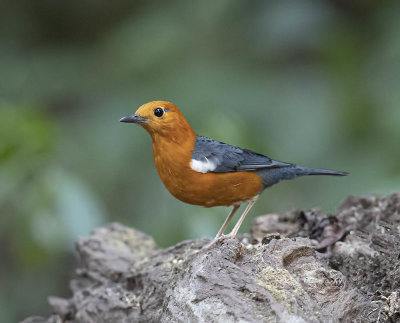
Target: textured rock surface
[{"x": 318, "y": 268}]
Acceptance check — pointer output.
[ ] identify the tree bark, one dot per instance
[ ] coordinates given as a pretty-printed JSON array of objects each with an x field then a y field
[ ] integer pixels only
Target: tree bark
[{"x": 297, "y": 267}]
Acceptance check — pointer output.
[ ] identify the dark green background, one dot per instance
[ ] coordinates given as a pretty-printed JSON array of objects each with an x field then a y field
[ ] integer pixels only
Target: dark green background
[{"x": 307, "y": 81}]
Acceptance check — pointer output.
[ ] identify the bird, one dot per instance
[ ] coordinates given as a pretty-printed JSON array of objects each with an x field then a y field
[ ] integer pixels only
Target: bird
[{"x": 206, "y": 172}]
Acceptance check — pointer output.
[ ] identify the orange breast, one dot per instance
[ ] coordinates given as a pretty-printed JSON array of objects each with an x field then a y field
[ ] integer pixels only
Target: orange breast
[{"x": 172, "y": 162}]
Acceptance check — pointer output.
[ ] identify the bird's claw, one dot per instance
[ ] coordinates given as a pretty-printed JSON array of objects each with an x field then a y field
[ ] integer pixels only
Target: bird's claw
[{"x": 217, "y": 239}]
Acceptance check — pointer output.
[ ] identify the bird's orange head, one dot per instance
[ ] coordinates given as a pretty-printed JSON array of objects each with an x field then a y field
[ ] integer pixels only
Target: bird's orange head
[{"x": 161, "y": 119}]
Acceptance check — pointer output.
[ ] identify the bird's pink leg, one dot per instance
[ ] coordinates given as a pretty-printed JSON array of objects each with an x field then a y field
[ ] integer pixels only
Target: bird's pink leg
[
  {"x": 239, "y": 223},
  {"x": 221, "y": 231},
  {"x": 230, "y": 215}
]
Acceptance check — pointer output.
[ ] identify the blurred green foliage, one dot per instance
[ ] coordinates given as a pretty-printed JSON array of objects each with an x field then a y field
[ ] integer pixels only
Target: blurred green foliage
[{"x": 305, "y": 81}]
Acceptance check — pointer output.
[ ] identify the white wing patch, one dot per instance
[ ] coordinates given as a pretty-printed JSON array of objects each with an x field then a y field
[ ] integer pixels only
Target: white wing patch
[{"x": 203, "y": 166}]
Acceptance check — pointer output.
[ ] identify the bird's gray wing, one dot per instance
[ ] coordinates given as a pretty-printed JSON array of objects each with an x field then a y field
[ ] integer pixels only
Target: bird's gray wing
[{"x": 218, "y": 157}]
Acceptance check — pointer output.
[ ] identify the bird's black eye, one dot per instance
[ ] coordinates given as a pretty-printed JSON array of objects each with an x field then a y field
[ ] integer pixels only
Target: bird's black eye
[{"x": 159, "y": 112}]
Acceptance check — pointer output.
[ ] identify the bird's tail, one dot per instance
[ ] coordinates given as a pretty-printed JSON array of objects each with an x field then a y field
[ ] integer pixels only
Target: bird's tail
[
  {"x": 272, "y": 176},
  {"x": 300, "y": 171}
]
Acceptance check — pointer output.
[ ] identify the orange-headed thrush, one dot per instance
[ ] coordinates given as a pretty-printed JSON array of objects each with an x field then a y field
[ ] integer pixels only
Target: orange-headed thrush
[{"x": 203, "y": 171}]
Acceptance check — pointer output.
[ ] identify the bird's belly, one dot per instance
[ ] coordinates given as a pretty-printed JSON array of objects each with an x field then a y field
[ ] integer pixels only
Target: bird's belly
[{"x": 212, "y": 189}]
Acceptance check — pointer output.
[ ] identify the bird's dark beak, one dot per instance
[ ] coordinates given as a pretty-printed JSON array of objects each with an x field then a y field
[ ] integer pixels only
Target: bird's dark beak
[{"x": 133, "y": 118}]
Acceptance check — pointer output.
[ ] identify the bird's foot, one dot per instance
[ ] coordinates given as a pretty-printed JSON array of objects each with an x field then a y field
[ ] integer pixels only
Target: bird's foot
[{"x": 214, "y": 241}]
